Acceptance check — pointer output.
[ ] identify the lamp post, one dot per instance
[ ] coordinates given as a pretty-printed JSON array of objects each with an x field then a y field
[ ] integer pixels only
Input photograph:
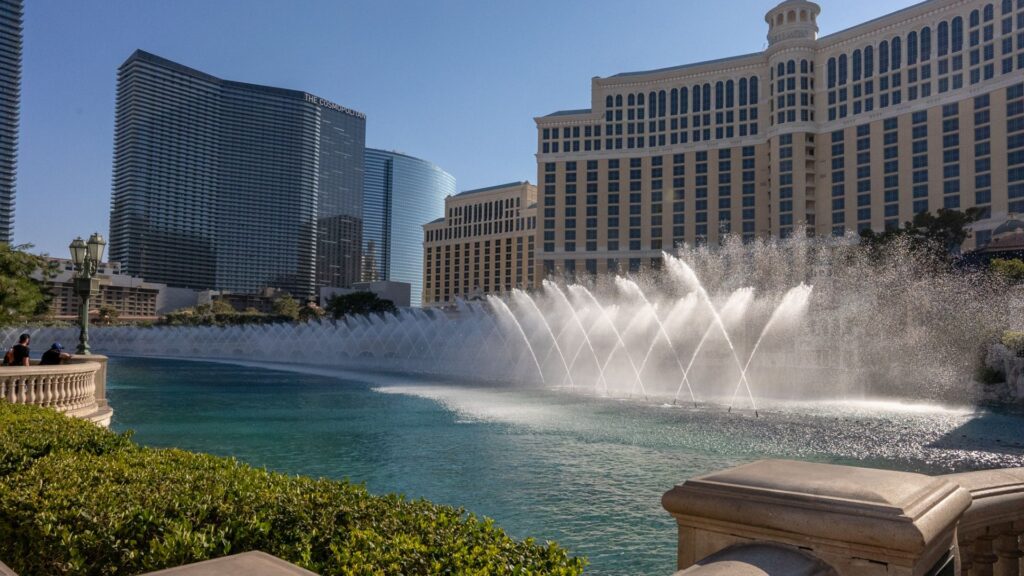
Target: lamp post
[{"x": 86, "y": 257}]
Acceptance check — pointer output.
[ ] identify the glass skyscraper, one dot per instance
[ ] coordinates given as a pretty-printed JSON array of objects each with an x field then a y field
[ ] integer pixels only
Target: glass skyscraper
[
  {"x": 10, "y": 94},
  {"x": 401, "y": 193},
  {"x": 232, "y": 186}
]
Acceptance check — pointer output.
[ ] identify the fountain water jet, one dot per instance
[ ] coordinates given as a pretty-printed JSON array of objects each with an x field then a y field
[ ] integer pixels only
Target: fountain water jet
[
  {"x": 519, "y": 295},
  {"x": 793, "y": 305},
  {"x": 503, "y": 308},
  {"x": 553, "y": 288}
]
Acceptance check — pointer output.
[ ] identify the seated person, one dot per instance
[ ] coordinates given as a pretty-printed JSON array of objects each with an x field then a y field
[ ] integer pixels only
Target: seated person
[{"x": 54, "y": 356}]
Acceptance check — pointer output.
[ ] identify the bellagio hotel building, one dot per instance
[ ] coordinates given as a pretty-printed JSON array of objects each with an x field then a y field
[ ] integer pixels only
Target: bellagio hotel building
[{"x": 915, "y": 111}]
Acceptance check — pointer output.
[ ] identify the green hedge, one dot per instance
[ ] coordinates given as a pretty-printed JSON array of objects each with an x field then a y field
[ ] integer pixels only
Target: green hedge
[{"x": 76, "y": 499}]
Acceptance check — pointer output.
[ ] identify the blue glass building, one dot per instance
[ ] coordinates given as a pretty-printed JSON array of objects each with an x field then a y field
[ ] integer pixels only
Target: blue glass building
[
  {"x": 10, "y": 94},
  {"x": 232, "y": 186},
  {"x": 400, "y": 194}
]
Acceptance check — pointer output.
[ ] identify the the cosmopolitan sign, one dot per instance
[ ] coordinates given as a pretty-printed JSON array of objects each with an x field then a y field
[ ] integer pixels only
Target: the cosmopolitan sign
[{"x": 328, "y": 104}]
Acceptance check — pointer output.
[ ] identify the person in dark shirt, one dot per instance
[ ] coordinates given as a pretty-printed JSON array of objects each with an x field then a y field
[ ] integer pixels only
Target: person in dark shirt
[
  {"x": 54, "y": 356},
  {"x": 19, "y": 352}
]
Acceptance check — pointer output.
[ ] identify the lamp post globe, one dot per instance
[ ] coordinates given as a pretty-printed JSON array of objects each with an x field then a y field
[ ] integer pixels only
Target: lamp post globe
[{"x": 78, "y": 250}]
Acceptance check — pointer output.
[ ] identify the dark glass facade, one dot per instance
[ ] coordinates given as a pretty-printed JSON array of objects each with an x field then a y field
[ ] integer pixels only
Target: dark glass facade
[
  {"x": 401, "y": 193},
  {"x": 217, "y": 184},
  {"x": 10, "y": 94},
  {"x": 340, "y": 214}
]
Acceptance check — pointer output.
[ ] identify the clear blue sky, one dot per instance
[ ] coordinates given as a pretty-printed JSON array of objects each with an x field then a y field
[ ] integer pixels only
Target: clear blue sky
[{"x": 456, "y": 82}]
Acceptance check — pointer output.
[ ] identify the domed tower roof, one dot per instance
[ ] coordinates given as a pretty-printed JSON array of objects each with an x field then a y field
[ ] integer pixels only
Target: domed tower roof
[
  {"x": 793, "y": 20},
  {"x": 1011, "y": 226}
]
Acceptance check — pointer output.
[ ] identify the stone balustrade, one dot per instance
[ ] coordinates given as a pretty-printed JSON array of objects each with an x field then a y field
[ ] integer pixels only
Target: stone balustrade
[
  {"x": 781, "y": 517},
  {"x": 77, "y": 388},
  {"x": 989, "y": 533}
]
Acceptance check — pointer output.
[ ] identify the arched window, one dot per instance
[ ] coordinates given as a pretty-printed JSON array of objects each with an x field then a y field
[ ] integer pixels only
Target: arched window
[
  {"x": 707, "y": 96},
  {"x": 778, "y": 19},
  {"x": 780, "y": 70},
  {"x": 791, "y": 16},
  {"x": 696, "y": 98},
  {"x": 652, "y": 104},
  {"x": 640, "y": 99},
  {"x": 609, "y": 101},
  {"x": 926, "y": 44},
  {"x": 661, "y": 103},
  {"x": 618, "y": 101},
  {"x": 911, "y": 48},
  {"x": 719, "y": 95},
  {"x": 753, "y": 90},
  {"x": 856, "y": 65},
  {"x": 831, "y": 72},
  {"x": 791, "y": 67},
  {"x": 674, "y": 104},
  {"x": 632, "y": 100},
  {"x": 943, "y": 39},
  {"x": 989, "y": 13},
  {"x": 869, "y": 61},
  {"x": 684, "y": 100},
  {"x": 883, "y": 57},
  {"x": 730, "y": 90},
  {"x": 1007, "y": 6},
  {"x": 975, "y": 18},
  {"x": 743, "y": 91},
  {"x": 897, "y": 52},
  {"x": 842, "y": 69},
  {"x": 803, "y": 66},
  {"x": 957, "y": 34}
]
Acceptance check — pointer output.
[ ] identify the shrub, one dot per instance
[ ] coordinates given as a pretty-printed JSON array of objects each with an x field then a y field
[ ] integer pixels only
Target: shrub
[
  {"x": 98, "y": 504},
  {"x": 1014, "y": 340}
]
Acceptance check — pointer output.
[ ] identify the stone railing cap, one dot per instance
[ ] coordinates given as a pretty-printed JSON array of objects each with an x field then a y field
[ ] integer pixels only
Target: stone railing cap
[
  {"x": 245, "y": 564},
  {"x": 878, "y": 508}
]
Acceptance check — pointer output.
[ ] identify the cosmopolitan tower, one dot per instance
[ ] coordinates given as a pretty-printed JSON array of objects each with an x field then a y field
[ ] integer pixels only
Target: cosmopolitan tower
[
  {"x": 10, "y": 94},
  {"x": 232, "y": 186},
  {"x": 400, "y": 194}
]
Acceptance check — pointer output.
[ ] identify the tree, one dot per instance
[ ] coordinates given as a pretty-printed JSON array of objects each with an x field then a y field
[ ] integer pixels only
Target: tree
[
  {"x": 1011, "y": 270},
  {"x": 107, "y": 314},
  {"x": 358, "y": 303},
  {"x": 287, "y": 307},
  {"x": 221, "y": 307},
  {"x": 941, "y": 233},
  {"x": 21, "y": 296}
]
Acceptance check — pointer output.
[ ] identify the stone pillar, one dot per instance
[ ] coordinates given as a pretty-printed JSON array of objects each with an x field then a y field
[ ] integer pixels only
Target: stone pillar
[
  {"x": 859, "y": 521},
  {"x": 100, "y": 378}
]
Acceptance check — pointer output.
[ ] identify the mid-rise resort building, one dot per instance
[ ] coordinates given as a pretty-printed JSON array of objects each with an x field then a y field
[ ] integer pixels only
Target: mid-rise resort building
[
  {"x": 915, "y": 111},
  {"x": 399, "y": 193},
  {"x": 10, "y": 97},
  {"x": 232, "y": 186},
  {"x": 483, "y": 244}
]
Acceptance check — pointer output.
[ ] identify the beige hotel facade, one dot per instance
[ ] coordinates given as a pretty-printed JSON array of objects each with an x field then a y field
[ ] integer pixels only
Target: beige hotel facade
[
  {"x": 915, "y": 111},
  {"x": 484, "y": 244}
]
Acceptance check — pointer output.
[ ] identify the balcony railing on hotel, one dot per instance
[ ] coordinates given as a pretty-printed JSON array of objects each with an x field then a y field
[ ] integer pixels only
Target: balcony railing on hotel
[
  {"x": 77, "y": 389},
  {"x": 801, "y": 518}
]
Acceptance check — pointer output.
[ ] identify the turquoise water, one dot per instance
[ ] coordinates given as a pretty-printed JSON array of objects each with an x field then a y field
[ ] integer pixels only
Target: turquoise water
[{"x": 586, "y": 472}]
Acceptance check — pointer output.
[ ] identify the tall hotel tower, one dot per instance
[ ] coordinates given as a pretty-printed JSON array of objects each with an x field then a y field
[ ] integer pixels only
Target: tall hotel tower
[
  {"x": 915, "y": 111},
  {"x": 232, "y": 186},
  {"x": 10, "y": 94},
  {"x": 399, "y": 193}
]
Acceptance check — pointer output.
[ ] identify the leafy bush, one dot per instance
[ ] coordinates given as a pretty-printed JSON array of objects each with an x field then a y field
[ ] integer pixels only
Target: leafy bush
[
  {"x": 82, "y": 500},
  {"x": 1014, "y": 340}
]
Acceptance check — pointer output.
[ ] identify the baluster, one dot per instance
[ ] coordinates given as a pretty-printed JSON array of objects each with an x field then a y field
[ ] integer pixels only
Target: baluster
[
  {"x": 4, "y": 385},
  {"x": 59, "y": 393},
  {"x": 30, "y": 390},
  {"x": 984, "y": 557},
  {"x": 1009, "y": 552},
  {"x": 966, "y": 553},
  {"x": 47, "y": 392}
]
